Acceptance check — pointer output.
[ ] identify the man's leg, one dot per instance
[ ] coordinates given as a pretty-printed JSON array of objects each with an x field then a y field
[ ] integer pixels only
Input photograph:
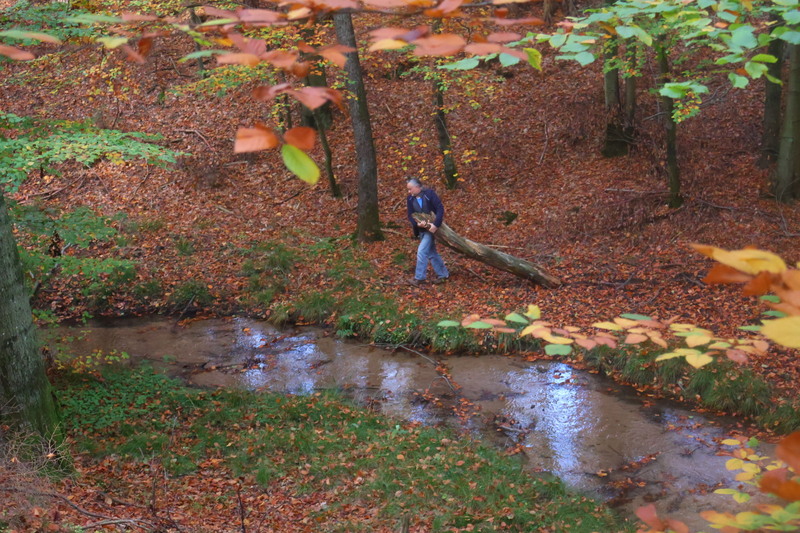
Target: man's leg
[
  {"x": 423, "y": 255},
  {"x": 437, "y": 262}
]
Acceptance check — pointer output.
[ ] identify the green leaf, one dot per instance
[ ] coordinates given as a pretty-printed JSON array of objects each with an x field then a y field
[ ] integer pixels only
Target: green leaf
[
  {"x": 756, "y": 70},
  {"x": 300, "y": 164},
  {"x": 740, "y": 82},
  {"x": 558, "y": 40},
  {"x": 219, "y": 22},
  {"x": 584, "y": 58},
  {"x": 792, "y": 37},
  {"x": 750, "y": 328},
  {"x": 634, "y": 316},
  {"x": 558, "y": 349},
  {"x": 744, "y": 37},
  {"x": 448, "y": 324},
  {"x": 534, "y": 58},
  {"x": 626, "y": 32},
  {"x": 479, "y": 325},
  {"x": 764, "y": 58},
  {"x": 507, "y": 60},
  {"x": 643, "y": 36},
  {"x": 673, "y": 90},
  {"x": 89, "y": 18},
  {"x": 201, "y": 53},
  {"x": 770, "y": 298},
  {"x": 792, "y": 16},
  {"x": 516, "y": 317},
  {"x": 773, "y": 312},
  {"x": 23, "y": 35},
  {"x": 468, "y": 63}
]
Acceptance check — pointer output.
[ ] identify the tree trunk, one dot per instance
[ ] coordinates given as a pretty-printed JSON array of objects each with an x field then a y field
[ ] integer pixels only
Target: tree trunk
[
  {"x": 615, "y": 144},
  {"x": 787, "y": 177},
  {"x": 369, "y": 228},
  {"x": 770, "y": 137},
  {"x": 671, "y": 130},
  {"x": 25, "y": 396},
  {"x": 484, "y": 254},
  {"x": 445, "y": 142}
]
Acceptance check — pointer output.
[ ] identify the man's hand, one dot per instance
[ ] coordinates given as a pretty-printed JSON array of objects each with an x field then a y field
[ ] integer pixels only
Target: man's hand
[{"x": 432, "y": 228}]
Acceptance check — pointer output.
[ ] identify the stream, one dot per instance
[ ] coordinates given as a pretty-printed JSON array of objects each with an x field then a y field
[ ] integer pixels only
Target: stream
[{"x": 599, "y": 437}]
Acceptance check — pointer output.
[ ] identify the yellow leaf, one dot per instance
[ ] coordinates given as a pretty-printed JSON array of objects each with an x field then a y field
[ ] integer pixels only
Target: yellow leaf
[
  {"x": 552, "y": 339},
  {"x": 533, "y": 312},
  {"x": 387, "y": 44},
  {"x": 748, "y": 261},
  {"x": 731, "y": 442},
  {"x": 697, "y": 340},
  {"x": 668, "y": 355},
  {"x": 625, "y": 322},
  {"x": 682, "y": 327},
  {"x": 607, "y": 325},
  {"x": 744, "y": 476},
  {"x": 699, "y": 360},
  {"x": 784, "y": 331},
  {"x": 734, "y": 464},
  {"x": 528, "y": 330},
  {"x": 751, "y": 468}
]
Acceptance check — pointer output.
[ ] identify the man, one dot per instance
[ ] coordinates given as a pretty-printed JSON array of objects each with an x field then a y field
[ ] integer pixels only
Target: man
[{"x": 424, "y": 200}]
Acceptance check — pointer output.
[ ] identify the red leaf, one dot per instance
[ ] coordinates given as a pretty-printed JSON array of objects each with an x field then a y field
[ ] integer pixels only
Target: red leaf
[
  {"x": 265, "y": 94},
  {"x": 503, "y": 37},
  {"x": 132, "y": 54},
  {"x": 737, "y": 356},
  {"x": 281, "y": 58},
  {"x": 776, "y": 482},
  {"x": 336, "y": 54},
  {"x": 144, "y": 45},
  {"x": 261, "y": 17},
  {"x": 301, "y": 137},
  {"x": 447, "y": 6},
  {"x": 483, "y": 49},
  {"x": 255, "y": 139},
  {"x": 530, "y": 21},
  {"x": 314, "y": 97},
  {"x": 760, "y": 284}
]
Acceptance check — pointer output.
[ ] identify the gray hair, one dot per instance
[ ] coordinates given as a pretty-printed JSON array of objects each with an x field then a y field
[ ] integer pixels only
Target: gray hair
[{"x": 414, "y": 181}]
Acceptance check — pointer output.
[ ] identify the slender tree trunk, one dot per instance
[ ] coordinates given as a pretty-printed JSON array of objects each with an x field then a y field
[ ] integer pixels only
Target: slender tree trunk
[
  {"x": 770, "y": 137},
  {"x": 484, "y": 254},
  {"x": 326, "y": 149},
  {"x": 615, "y": 143},
  {"x": 369, "y": 228},
  {"x": 787, "y": 177},
  {"x": 629, "y": 105},
  {"x": 25, "y": 395},
  {"x": 671, "y": 131},
  {"x": 445, "y": 141}
]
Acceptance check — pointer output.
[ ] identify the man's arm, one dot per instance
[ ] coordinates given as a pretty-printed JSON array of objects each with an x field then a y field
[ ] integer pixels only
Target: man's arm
[
  {"x": 410, "y": 213},
  {"x": 438, "y": 209}
]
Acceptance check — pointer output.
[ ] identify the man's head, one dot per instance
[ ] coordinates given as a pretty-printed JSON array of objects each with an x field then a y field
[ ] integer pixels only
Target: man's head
[{"x": 414, "y": 186}]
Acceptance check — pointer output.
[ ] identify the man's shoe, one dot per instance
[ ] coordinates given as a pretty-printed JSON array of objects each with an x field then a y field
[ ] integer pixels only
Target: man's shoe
[
  {"x": 437, "y": 281},
  {"x": 416, "y": 282}
]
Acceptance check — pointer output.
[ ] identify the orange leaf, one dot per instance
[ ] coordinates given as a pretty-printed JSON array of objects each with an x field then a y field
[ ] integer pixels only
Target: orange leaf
[
  {"x": 788, "y": 450},
  {"x": 336, "y": 54},
  {"x": 260, "y": 17},
  {"x": 255, "y": 139},
  {"x": 300, "y": 69},
  {"x": 233, "y": 58},
  {"x": 281, "y": 58},
  {"x": 443, "y": 44},
  {"x": 470, "y": 319},
  {"x": 760, "y": 284},
  {"x": 15, "y": 53},
  {"x": 635, "y": 338},
  {"x": 314, "y": 97},
  {"x": 737, "y": 356},
  {"x": 648, "y": 515},
  {"x": 588, "y": 344},
  {"x": 720, "y": 273},
  {"x": 776, "y": 482},
  {"x": 529, "y": 21},
  {"x": 792, "y": 279},
  {"x": 301, "y": 137}
]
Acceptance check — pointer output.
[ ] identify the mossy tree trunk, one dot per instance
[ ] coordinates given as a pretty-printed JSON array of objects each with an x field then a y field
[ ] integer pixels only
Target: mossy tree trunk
[
  {"x": 787, "y": 176},
  {"x": 368, "y": 222},
  {"x": 445, "y": 141},
  {"x": 484, "y": 254},
  {"x": 25, "y": 395}
]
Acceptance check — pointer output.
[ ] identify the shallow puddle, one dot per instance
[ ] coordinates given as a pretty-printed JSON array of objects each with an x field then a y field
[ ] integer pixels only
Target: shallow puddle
[{"x": 598, "y": 437}]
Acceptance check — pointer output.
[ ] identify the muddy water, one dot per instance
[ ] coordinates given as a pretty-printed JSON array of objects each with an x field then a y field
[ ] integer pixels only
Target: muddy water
[{"x": 596, "y": 436}]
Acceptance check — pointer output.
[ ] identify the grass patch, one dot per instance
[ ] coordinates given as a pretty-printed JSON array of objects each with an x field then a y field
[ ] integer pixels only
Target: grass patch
[{"x": 320, "y": 444}]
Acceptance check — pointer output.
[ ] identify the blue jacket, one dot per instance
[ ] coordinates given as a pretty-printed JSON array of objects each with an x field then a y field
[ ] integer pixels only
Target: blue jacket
[{"x": 430, "y": 204}]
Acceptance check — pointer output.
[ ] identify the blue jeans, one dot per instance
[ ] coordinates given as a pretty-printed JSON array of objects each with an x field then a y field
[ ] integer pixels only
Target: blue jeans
[{"x": 427, "y": 252}]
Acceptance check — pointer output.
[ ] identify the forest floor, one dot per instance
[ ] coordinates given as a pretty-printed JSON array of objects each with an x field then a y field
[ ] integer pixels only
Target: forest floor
[{"x": 532, "y": 183}]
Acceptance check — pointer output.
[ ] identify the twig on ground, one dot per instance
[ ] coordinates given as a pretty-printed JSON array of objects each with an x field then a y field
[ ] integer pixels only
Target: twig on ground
[
  {"x": 546, "y": 141},
  {"x": 199, "y": 135}
]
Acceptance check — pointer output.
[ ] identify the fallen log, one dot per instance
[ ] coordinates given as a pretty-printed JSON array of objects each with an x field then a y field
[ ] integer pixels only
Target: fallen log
[{"x": 484, "y": 254}]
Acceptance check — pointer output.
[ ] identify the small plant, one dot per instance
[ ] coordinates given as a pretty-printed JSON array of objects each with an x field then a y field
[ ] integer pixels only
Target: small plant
[
  {"x": 184, "y": 245},
  {"x": 191, "y": 293}
]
